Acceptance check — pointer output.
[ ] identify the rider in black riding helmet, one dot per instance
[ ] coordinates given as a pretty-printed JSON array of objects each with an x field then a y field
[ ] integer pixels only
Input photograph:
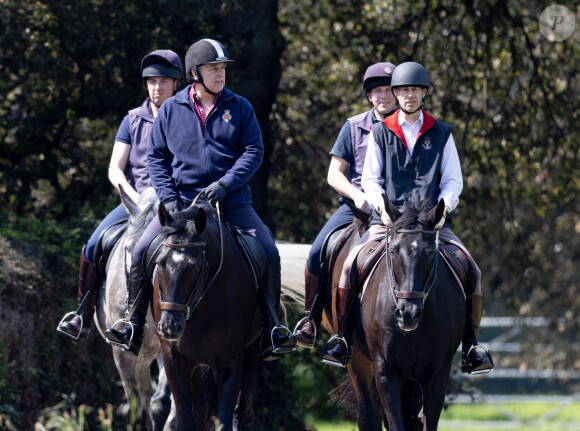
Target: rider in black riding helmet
[
  {"x": 207, "y": 138},
  {"x": 344, "y": 174},
  {"x": 161, "y": 74},
  {"x": 409, "y": 156}
]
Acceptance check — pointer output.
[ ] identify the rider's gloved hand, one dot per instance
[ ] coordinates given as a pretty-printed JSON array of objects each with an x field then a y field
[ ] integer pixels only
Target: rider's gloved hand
[
  {"x": 173, "y": 205},
  {"x": 216, "y": 191},
  {"x": 441, "y": 222}
]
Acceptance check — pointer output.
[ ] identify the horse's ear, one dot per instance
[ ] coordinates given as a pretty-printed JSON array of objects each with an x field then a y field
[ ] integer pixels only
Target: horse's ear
[
  {"x": 392, "y": 210},
  {"x": 200, "y": 220},
  {"x": 358, "y": 213},
  {"x": 132, "y": 207},
  {"x": 435, "y": 216},
  {"x": 164, "y": 216}
]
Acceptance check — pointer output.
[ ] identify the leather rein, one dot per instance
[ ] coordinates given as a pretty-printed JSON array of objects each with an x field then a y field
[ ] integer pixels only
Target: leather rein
[
  {"x": 423, "y": 294},
  {"x": 193, "y": 302}
]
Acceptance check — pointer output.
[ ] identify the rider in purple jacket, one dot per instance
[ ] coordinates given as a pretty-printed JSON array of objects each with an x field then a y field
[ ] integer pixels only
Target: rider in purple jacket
[
  {"x": 161, "y": 71},
  {"x": 206, "y": 138}
]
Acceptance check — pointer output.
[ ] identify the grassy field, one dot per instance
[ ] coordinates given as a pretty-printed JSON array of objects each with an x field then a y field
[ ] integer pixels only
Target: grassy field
[{"x": 557, "y": 415}]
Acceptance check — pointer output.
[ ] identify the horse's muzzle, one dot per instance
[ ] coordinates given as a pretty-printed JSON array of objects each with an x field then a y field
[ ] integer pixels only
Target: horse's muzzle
[
  {"x": 171, "y": 325},
  {"x": 408, "y": 315}
]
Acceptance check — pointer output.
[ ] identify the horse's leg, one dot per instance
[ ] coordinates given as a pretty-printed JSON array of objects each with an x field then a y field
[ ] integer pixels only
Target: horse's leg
[
  {"x": 363, "y": 384},
  {"x": 244, "y": 411},
  {"x": 389, "y": 387},
  {"x": 434, "y": 398},
  {"x": 160, "y": 404},
  {"x": 228, "y": 381},
  {"x": 136, "y": 378},
  {"x": 177, "y": 375}
]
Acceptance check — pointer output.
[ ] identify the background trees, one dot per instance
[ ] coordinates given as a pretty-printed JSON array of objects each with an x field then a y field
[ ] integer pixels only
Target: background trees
[{"x": 69, "y": 71}]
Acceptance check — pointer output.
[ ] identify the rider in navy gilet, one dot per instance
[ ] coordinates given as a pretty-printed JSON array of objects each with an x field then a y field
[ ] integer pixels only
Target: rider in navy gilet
[
  {"x": 412, "y": 177},
  {"x": 161, "y": 72}
]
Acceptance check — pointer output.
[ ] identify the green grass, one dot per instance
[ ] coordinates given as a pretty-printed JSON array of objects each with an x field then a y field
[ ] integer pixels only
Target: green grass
[{"x": 548, "y": 416}]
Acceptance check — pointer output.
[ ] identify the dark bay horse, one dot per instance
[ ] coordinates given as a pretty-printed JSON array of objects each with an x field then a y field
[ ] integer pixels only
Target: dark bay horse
[
  {"x": 135, "y": 372},
  {"x": 206, "y": 309},
  {"x": 413, "y": 315}
]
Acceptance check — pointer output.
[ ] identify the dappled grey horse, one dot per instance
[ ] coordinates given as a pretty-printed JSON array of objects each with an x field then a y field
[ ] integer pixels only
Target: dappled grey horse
[{"x": 135, "y": 371}]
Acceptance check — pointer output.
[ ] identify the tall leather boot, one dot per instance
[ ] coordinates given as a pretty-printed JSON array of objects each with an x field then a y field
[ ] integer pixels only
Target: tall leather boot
[
  {"x": 306, "y": 330},
  {"x": 473, "y": 362},
  {"x": 274, "y": 343},
  {"x": 338, "y": 355},
  {"x": 89, "y": 279},
  {"x": 130, "y": 335}
]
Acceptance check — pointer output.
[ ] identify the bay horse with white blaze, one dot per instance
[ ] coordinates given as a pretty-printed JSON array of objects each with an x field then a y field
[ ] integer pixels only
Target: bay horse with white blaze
[{"x": 207, "y": 314}]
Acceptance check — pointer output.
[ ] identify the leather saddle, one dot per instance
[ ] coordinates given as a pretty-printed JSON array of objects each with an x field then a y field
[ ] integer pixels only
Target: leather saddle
[
  {"x": 106, "y": 243},
  {"x": 372, "y": 253}
]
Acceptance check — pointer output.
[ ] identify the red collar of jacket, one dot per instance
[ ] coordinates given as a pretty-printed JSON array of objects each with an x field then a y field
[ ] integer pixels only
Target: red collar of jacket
[{"x": 392, "y": 122}]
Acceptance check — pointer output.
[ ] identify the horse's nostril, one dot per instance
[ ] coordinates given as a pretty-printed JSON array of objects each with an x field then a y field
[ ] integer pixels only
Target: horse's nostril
[{"x": 398, "y": 314}]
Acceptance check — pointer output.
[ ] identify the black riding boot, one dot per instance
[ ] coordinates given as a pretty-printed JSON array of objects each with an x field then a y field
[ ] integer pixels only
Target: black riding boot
[
  {"x": 339, "y": 354},
  {"x": 472, "y": 362},
  {"x": 130, "y": 335},
  {"x": 89, "y": 278},
  {"x": 306, "y": 330},
  {"x": 274, "y": 343}
]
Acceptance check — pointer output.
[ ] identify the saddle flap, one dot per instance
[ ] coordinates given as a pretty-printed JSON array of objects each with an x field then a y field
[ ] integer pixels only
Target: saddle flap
[
  {"x": 365, "y": 261},
  {"x": 254, "y": 253},
  {"x": 459, "y": 265},
  {"x": 106, "y": 242}
]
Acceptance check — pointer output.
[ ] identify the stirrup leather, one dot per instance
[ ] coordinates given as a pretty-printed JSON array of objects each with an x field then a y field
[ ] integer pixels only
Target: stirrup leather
[
  {"x": 342, "y": 364},
  {"x": 299, "y": 325},
  {"x": 122, "y": 323},
  {"x": 287, "y": 331},
  {"x": 68, "y": 317},
  {"x": 467, "y": 366}
]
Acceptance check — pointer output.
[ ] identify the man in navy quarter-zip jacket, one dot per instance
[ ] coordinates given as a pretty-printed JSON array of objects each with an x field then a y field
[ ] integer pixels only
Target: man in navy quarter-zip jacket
[{"x": 208, "y": 138}]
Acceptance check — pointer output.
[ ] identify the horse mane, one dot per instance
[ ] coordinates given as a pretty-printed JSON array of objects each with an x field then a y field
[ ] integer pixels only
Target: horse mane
[
  {"x": 179, "y": 220},
  {"x": 148, "y": 206},
  {"x": 412, "y": 215}
]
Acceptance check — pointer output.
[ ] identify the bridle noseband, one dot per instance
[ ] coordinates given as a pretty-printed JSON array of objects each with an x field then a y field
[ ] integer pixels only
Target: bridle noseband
[{"x": 421, "y": 295}]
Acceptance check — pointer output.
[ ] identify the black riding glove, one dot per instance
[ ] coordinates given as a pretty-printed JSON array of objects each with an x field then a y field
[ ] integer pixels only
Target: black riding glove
[
  {"x": 173, "y": 205},
  {"x": 216, "y": 191}
]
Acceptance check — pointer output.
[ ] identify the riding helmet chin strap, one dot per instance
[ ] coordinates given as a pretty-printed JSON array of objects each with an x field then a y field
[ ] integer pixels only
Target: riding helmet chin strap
[
  {"x": 199, "y": 80},
  {"x": 416, "y": 110}
]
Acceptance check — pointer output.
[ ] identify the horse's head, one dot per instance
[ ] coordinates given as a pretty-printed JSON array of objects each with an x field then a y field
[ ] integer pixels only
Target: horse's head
[
  {"x": 412, "y": 259},
  {"x": 182, "y": 267}
]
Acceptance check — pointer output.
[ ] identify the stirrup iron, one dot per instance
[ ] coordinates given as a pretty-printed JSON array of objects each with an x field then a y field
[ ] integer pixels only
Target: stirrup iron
[
  {"x": 281, "y": 349},
  {"x": 342, "y": 364},
  {"x": 123, "y": 323},
  {"x": 67, "y": 317},
  {"x": 468, "y": 367},
  {"x": 298, "y": 325}
]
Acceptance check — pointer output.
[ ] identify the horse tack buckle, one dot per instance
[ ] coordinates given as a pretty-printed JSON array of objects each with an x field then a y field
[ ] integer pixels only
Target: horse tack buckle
[{"x": 67, "y": 317}]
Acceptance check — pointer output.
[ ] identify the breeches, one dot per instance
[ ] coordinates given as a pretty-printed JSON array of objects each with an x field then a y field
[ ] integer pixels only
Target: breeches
[
  {"x": 343, "y": 215},
  {"x": 113, "y": 217}
]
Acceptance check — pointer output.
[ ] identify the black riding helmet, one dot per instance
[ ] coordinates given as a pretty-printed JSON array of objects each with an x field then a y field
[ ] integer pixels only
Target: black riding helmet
[
  {"x": 410, "y": 74},
  {"x": 162, "y": 62},
  {"x": 204, "y": 51}
]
